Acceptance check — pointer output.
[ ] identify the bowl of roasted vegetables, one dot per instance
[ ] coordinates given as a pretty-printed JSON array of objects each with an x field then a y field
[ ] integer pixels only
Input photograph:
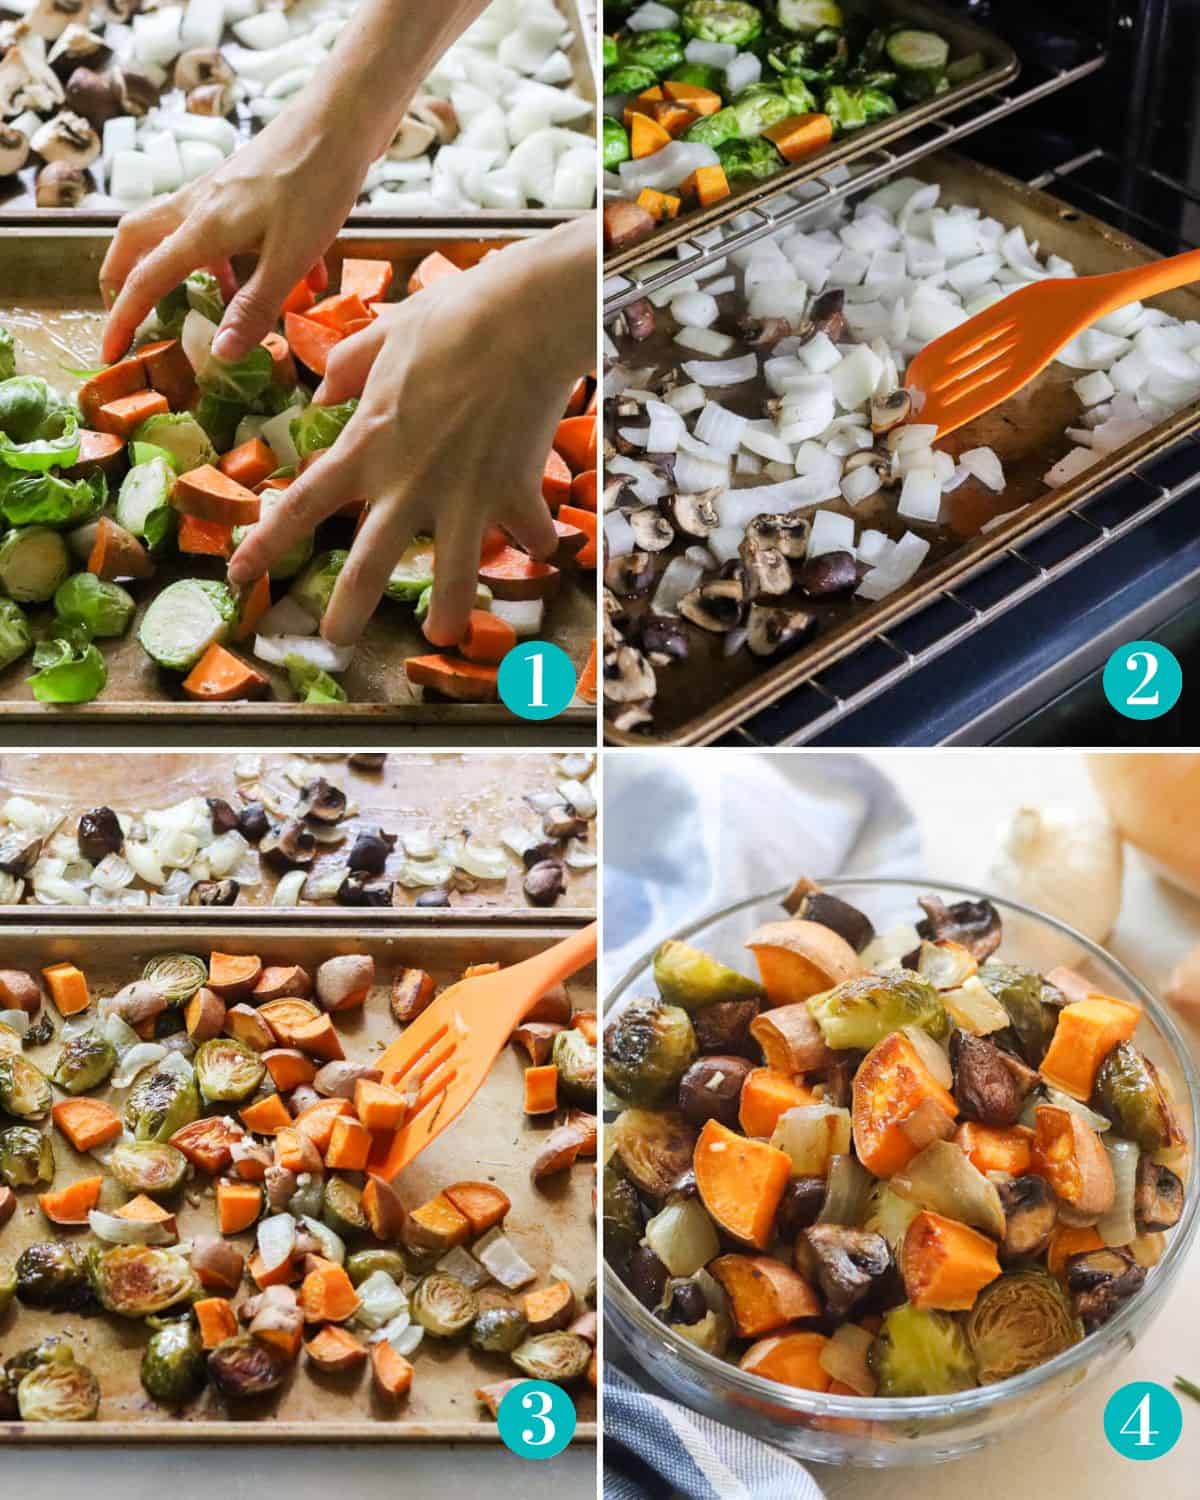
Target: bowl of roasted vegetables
[{"x": 873, "y": 1184}]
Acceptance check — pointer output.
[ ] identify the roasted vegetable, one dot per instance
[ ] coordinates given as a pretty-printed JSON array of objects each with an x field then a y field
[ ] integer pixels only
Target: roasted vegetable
[
  {"x": 26, "y": 1156},
  {"x": 84, "y": 1063},
  {"x": 364, "y": 1263},
  {"x": 622, "y": 1219},
  {"x": 891, "y": 1083},
  {"x": 1099, "y": 1282},
  {"x": 499, "y": 1330},
  {"x": 174, "y": 1368},
  {"x": 176, "y": 975},
  {"x": 24, "y": 1089},
  {"x": 558, "y": 1357},
  {"x": 245, "y": 1366},
  {"x": 985, "y": 1087},
  {"x": 1072, "y": 1159},
  {"x": 1130, "y": 1094},
  {"x": 8, "y": 1290},
  {"x": 1022, "y": 994},
  {"x": 698, "y": 1310},
  {"x": 51, "y": 1274},
  {"x": 1019, "y": 1321},
  {"x": 136, "y": 1281},
  {"x": 862, "y": 1011},
  {"x": 711, "y": 1089},
  {"x": 575, "y": 1058},
  {"x": 974, "y": 924},
  {"x": 648, "y": 1046},
  {"x": 1030, "y": 1212},
  {"x": 161, "y": 1103},
  {"x": 147, "y": 1166},
  {"x": 57, "y": 1388},
  {"x": 1158, "y": 1199},
  {"x": 685, "y": 976},
  {"x": 740, "y": 1182},
  {"x": 342, "y": 1209},
  {"x": 850, "y": 1263},
  {"x": 920, "y": 1353},
  {"x": 444, "y": 1305},
  {"x": 228, "y": 1071}
]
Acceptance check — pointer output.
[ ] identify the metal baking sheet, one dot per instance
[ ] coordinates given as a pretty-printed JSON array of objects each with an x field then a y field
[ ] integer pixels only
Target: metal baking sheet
[
  {"x": 491, "y": 1141},
  {"x": 704, "y": 698},
  {"x": 20, "y": 208},
  {"x": 965, "y": 37},
  {"x": 444, "y": 792},
  {"x": 49, "y": 299}
]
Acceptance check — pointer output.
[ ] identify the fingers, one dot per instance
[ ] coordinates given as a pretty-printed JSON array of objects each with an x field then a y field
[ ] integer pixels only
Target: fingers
[
  {"x": 226, "y": 278},
  {"x": 143, "y": 264},
  {"x": 349, "y": 365},
  {"x": 362, "y": 581},
  {"x": 455, "y": 579},
  {"x": 307, "y": 501},
  {"x": 532, "y": 528},
  {"x": 254, "y": 311}
]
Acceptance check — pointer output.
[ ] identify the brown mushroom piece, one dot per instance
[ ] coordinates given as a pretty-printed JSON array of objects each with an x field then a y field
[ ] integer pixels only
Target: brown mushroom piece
[
  {"x": 77, "y": 47},
  {"x": 786, "y": 534},
  {"x": 974, "y": 924},
  {"x": 214, "y": 893},
  {"x": 1158, "y": 1196},
  {"x": 890, "y": 410},
  {"x": 827, "y": 315},
  {"x": 711, "y": 1089},
  {"x": 803, "y": 1199},
  {"x": 629, "y": 575},
  {"x": 367, "y": 760},
  {"x": 683, "y": 1301},
  {"x": 985, "y": 1089},
  {"x": 1030, "y": 1212},
  {"x": 640, "y": 320},
  {"x": 19, "y": 853},
  {"x": 370, "y": 850},
  {"x": 647, "y": 1278},
  {"x": 139, "y": 91},
  {"x": 724, "y": 1026},
  {"x": 440, "y": 114},
  {"x": 872, "y": 458},
  {"x": 763, "y": 333},
  {"x": 628, "y": 676},
  {"x": 96, "y": 97},
  {"x": 849, "y": 1262},
  {"x": 60, "y": 185},
  {"x": 772, "y": 629},
  {"x": 68, "y": 138},
  {"x": 766, "y": 570},
  {"x": 288, "y": 846},
  {"x": 830, "y": 573},
  {"x": 412, "y": 139},
  {"x": 222, "y": 817},
  {"x": 1099, "y": 1281},
  {"x": 322, "y": 802},
  {"x": 717, "y": 606},
  {"x": 27, "y": 83},
  {"x": 662, "y": 639},
  {"x": 546, "y": 882},
  {"x": 202, "y": 65},
  {"x": 253, "y": 823},
  {"x": 99, "y": 833},
  {"x": 652, "y": 532},
  {"x": 695, "y": 515},
  {"x": 358, "y": 890},
  {"x": 14, "y": 150},
  {"x": 815, "y": 905},
  {"x": 563, "y": 823}
]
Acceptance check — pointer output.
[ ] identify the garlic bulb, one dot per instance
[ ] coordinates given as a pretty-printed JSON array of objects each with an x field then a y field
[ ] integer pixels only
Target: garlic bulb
[{"x": 1064, "y": 863}]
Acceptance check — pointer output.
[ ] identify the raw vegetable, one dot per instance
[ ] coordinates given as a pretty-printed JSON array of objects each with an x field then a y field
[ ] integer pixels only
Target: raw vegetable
[
  {"x": 67, "y": 667},
  {"x": 15, "y": 634},
  {"x": 104, "y": 607},
  {"x": 33, "y": 562},
  {"x": 184, "y": 620}
]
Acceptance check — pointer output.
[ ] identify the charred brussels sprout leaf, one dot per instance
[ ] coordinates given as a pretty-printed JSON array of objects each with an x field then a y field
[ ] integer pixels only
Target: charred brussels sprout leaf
[
  {"x": 622, "y": 1219},
  {"x": 84, "y": 1062},
  {"x": 228, "y": 1071},
  {"x": 58, "y": 1388},
  {"x": 575, "y": 1059},
  {"x": 1129, "y": 1092},
  {"x": 245, "y": 1366},
  {"x": 147, "y": 1166},
  {"x": 174, "y": 1368},
  {"x": 136, "y": 1281},
  {"x": 1020, "y": 991},
  {"x": 861, "y": 1011},
  {"x": 444, "y": 1305},
  {"x": 920, "y": 1353},
  {"x": 1019, "y": 1321},
  {"x": 648, "y": 1047},
  {"x": 160, "y": 1105},
  {"x": 553, "y": 1356},
  {"x": 692, "y": 979},
  {"x": 26, "y": 1156},
  {"x": 24, "y": 1089},
  {"x": 51, "y": 1274},
  {"x": 499, "y": 1330}
]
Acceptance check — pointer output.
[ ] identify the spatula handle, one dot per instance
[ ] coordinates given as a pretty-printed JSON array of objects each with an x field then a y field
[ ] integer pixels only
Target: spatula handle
[
  {"x": 1138, "y": 282},
  {"x": 546, "y": 969}
]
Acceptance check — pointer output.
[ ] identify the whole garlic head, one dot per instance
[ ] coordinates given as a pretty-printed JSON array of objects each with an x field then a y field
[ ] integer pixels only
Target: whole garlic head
[{"x": 1064, "y": 863}]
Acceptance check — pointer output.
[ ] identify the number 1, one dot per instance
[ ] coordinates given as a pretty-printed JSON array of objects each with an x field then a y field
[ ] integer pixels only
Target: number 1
[{"x": 538, "y": 663}]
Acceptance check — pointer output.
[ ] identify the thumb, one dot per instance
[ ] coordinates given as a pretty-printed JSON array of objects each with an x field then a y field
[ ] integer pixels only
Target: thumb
[{"x": 254, "y": 311}]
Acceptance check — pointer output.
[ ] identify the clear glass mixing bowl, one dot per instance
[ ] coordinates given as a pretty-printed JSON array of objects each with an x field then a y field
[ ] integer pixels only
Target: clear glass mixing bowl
[{"x": 885, "y": 1433}]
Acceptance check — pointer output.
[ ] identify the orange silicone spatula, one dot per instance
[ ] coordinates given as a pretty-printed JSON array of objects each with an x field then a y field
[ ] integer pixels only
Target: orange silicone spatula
[
  {"x": 991, "y": 356},
  {"x": 443, "y": 1058}
]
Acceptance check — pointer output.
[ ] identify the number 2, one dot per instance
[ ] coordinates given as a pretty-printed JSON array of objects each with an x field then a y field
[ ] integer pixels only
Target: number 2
[
  {"x": 1141, "y": 1412},
  {"x": 1136, "y": 698},
  {"x": 542, "y": 1415},
  {"x": 538, "y": 663}
]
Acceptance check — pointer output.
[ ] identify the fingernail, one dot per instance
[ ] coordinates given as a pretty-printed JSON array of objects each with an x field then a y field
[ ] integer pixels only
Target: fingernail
[
  {"x": 319, "y": 395},
  {"x": 227, "y": 345}
]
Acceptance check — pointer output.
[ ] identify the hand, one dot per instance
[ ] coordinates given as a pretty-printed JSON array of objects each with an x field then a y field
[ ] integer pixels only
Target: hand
[{"x": 462, "y": 388}]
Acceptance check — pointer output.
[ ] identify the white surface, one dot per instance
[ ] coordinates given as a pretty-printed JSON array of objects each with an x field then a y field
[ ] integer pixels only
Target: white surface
[{"x": 960, "y": 798}]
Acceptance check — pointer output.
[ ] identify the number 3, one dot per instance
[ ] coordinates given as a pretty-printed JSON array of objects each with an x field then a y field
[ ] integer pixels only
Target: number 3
[
  {"x": 542, "y": 1414},
  {"x": 1136, "y": 698}
]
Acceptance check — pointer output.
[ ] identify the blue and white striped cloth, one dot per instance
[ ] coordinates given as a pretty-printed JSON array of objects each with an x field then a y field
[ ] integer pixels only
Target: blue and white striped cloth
[{"x": 654, "y": 1447}]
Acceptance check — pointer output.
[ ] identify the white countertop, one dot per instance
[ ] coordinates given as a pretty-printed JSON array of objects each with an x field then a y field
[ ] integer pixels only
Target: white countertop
[{"x": 960, "y": 798}]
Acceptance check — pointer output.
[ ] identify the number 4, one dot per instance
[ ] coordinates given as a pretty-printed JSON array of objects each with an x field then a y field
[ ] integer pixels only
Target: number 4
[{"x": 1141, "y": 1414}]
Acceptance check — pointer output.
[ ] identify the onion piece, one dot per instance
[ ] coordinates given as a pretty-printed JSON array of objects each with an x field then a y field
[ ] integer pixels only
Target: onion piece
[
  {"x": 15, "y": 1020},
  {"x": 287, "y": 892},
  {"x": 461, "y": 1263},
  {"x": 138, "y": 1058},
  {"x": 483, "y": 861},
  {"x": 333, "y": 1247},
  {"x": 501, "y": 1257},
  {"x": 380, "y": 1301},
  {"x": 845, "y": 1358},
  {"x": 276, "y": 1239},
  {"x": 1119, "y": 1225},
  {"x": 114, "y": 1230}
]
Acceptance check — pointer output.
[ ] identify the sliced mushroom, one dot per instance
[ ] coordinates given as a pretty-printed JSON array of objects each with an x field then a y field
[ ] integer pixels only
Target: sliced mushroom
[
  {"x": 812, "y": 904},
  {"x": 60, "y": 185},
  {"x": 541, "y": 851},
  {"x": 19, "y": 852},
  {"x": 212, "y": 100},
  {"x": 67, "y": 137},
  {"x": 662, "y": 639},
  {"x": 628, "y": 676},
  {"x": 984, "y": 1088},
  {"x": 440, "y": 114},
  {"x": 974, "y": 924},
  {"x": 890, "y": 410},
  {"x": 288, "y": 846},
  {"x": 202, "y": 65},
  {"x": 280, "y": 1187},
  {"x": 322, "y": 802},
  {"x": 1158, "y": 1198},
  {"x": 763, "y": 333},
  {"x": 1099, "y": 1281},
  {"x": 413, "y": 139},
  {"x": 849, "y": 1262},
  {"x": 1030, "y": 1212},
  {"x": 546, "y": 882},
  {"x": 14, "y": 150},
  {"x": 78, "y": 47},
  {"x": 765, "y": 569},
  {"x": 635, "y": 716},
  {"x": 613, "y": 618},
  {"x": 827, "y": 315},
  {"x": 772, "y": 629},
  {"x": 629, "y": 575},
  {"x": 27, "y": 82},
  {"x": 358, "y": 890},
  {"x": 830, "y": 573},
  {"x": 651, "y": 530},
  {"x": 139, "y": 91},
  {"x": 563, "y": 823},
  {"x": 695, "y": 515},
  {"x": 50, "y": 18},
  {"x": 222, "y": 817},
  {"x": 787, "y": 534},
  {"x": 214, "y": 893},
  {"x": 639, "y": 319},
  {"x": 370, "y": 850},
  {"x": 717, "y": 606}
]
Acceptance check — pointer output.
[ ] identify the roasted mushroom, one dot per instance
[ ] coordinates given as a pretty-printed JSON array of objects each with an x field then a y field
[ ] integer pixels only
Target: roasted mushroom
[
  {"x": 974, "y": 924},
  {"x": 1158, "y": 1197},
  {"x": 60, "y": 185},
  {"x": 370, "y": 850},
  {"x": 890, "y": 410},
  {"x": 717, "y": 606},
  {"x": 289, "y": 845},
  {"x": 214, "y": 893},
  {"x": 724, "y": 1026},
  {"x": 322, "y": 802},
  {"x": 545, "y": 882},
  {"x": 803, "y": 1198},
  {"x": 694, "y": 514},
  {"x": 652, "y": 532},
  {"x": 639, "y": 320},
  {"x": 1099, "y": 1281},
  {"x": 812, "y": 904},
  {"x": 358, "y": 890},
  {"x": 711, "y": 1089},
  {"x": 99, "y": 834},
  {"x": 67, "y": 138},
  {"x": 628, "y": 676},
  {"x": 829, "y": 573},
  {"x": 630, "y": 574},
  {"x": 763, "y": 333},
  {"x": 848, "y": 1261},
  {"x": 253, "y": 823},
  {"x": 986, "y": 1090},
  {"x": 1030, "y": 1211},
  {"x": 14, "y": 150},
  {"x": 764, "y": 568},
  {"x": 772, "y": 629},
  {"x": 827, "y": 316}
]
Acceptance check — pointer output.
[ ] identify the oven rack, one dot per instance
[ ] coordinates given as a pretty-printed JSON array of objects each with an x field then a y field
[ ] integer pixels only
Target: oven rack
[{"x": 1035, "y": 82}]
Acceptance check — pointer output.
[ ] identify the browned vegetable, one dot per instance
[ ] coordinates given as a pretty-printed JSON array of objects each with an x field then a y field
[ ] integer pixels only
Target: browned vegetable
[
  {"x": 764, "y": 1294},
  {"x": 711, "y": 1088},
  {"x": 19, "y": 991},
  {"x": 1158, "y": 1197},
  {"x": 654, "y": 1148},
  {"x": 849, "y": 1262},
  {"x": 537, "y": 1037},
  {"x": 1099, "y": 1281},
  {"x": 1030, "y": 1212},
  {"x": 984, "y": 1086},
  {"x": 791, "y": 1040},
  {"x": 725, "y": 1027},
  {"x": 412, "y": 991}
]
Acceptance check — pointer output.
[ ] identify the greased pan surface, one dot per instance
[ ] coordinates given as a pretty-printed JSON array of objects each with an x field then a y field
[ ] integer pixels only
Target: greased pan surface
[
  {"x": 965, "y": 37},
  {"x": 491, "y": 1141},
  {"x": 20, "y": 207},
  {"x": 703, "y": 698},
  {"x": 50, "y": 301}
]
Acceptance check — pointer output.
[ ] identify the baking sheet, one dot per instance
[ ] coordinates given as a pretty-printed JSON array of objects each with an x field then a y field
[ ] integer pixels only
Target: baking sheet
[
  {"x": 20, "y": 206},
  {"x": 49, "y": 300},
  {"x": 702, "y": 699},
  {"x": 445, "y": 793},
  {"x": 1000, "y": 65},
  {"x": 492, "y": 1140}
]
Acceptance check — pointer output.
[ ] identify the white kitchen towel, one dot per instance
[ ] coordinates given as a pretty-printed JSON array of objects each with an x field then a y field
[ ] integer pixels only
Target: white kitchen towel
[{"x": 688, "y": 832}]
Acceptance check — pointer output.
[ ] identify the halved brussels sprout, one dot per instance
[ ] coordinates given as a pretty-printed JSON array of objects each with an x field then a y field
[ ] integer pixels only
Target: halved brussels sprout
[
  {"x": 342, "y": 1210},
  {"x": 921, "y": 1353},
  {"x": 51, "y": 1274},
  {"x": 654, "y": 1149},
  {"x": 174, "y": 1367},
  {"x": 1021, "y": 992},
  {"x": 648, "y": 1047},
  {"x": 687, "y": 977},
  {"x": 1019, "y": 1321},
  {"x": 8, "y": 1284},
  {"x": 24, "y": 1090},
  {"x": 245, "y": 1366},
  {"x": 177, "y": 975},
  {"x": 861, "y": 1011},
  {"x": 1129, "y": 1091},
  {"x": 444, "y": 1305},
  {"x": 575, "y": 1059},
  {"x": 160, "y": 1104},
  {"x": 364, "y": 1263},
  {"x": 553, "y": 1356},
  {"x": 622, "y": 1219},
  {"x": 26, "y": 1156},
  {"x": 58, "y": 1388},
  {"x": 228, "y": 1071},
  {"x": 84, "y": 1062},
  {"x": 135, "y": 1280},
  {"x": 147, "y": 1166},
  {"x": 499, "y": 1330}
]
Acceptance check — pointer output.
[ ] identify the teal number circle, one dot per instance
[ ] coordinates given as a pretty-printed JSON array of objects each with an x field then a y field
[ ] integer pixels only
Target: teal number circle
[
  {"x": 1142, "y": 1420},
  {"x": 1143, "y": 680},
  {"x": 536, "y": 1419},
  {"x": 537, "y": 680}
]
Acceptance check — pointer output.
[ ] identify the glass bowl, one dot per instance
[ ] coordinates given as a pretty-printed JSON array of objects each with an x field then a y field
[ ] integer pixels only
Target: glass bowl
[{"x": 885, "y": 1433}]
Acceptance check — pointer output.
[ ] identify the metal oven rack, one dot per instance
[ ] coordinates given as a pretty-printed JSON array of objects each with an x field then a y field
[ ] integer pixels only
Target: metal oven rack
[{"x": 1126, "y": 195}]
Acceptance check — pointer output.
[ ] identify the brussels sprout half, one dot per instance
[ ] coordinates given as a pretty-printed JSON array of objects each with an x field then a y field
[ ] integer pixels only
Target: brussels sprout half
[
  {"x": 648, "y": 1047},
  {"x": 861, "y": 1011},
  {"x": 686, "y": 976},
  {"x": 24, "y": 1089},
  {"x": 84, "y": 1062},
  {"x": 51, "y": 1274},
  {"x": 444, "y": 1305},
  {"x": 26, "y": 1156},
  {"x": 174, "y": 1367},
  {"x": 499, "y": 1330},
  {"x": 228, "y": 1071},
  {"x": 921, "y": 1353},
  {"x": 59, "y": 1389},
  {"x": 245, "y": 1366},
  {"x": 135, "y": 1281},
  {"x": 575, "y": 1058},
  {"x": 559, "y": 1357},
  {"x": 160, "y": 1104},
  {"x": 1019, "y": 1321},
  {"x": 177, "y": 975},
  {"x": 147, "y": 1166}
]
